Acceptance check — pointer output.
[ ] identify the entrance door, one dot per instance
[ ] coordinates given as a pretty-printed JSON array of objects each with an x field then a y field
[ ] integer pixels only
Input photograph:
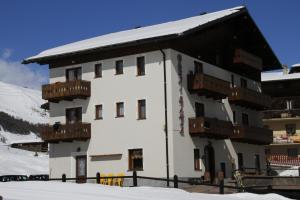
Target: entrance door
[
  {"x": 81, "y": 169},
  {"x": 210, "y": 161}
]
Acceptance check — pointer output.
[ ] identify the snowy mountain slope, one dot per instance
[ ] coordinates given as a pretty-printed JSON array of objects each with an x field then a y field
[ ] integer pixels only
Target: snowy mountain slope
[
  {"x": 17, "y": 161},
  {"x": 22, "y": 103}
]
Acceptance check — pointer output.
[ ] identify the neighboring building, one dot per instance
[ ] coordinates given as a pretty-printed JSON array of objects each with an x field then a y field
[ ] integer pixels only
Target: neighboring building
[
  {"x": 115, "y": 98},
  {"x": 284, "y": 115}
]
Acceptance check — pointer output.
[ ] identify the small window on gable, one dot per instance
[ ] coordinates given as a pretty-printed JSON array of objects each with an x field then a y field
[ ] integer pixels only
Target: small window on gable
[
  {"x": 119, "y": 67},
  {"x": 198, "y": 67},
  {"x": 140, "y": 62},
  {"x": 98, "y": 70}
]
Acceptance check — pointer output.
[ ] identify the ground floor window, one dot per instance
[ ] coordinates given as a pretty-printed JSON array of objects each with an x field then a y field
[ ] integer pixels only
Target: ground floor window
[
  {"x": 135, "y": 159},
  {"x": 197, "y": 159}
]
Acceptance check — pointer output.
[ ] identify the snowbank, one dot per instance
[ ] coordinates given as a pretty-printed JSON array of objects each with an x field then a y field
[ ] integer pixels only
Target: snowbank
[
  {"x": 290, "y": 172},
  {"x": 16, "y": 161},
  {"x": 64, "y": 191}
]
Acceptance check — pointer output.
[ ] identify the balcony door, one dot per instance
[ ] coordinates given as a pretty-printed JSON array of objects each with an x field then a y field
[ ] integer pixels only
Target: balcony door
[
  {"x": 73, "y": 74},
  {"x": 73, "y": 115},
  {"x": 199, "y": 109},
  {"x": 81, "y": 169}
]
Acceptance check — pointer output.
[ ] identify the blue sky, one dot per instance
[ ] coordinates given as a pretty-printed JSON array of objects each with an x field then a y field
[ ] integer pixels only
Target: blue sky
[{"x": 28, "y": 27}]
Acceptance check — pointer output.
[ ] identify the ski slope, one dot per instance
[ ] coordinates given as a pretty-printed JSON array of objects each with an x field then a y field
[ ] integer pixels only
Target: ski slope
[{"x": 22, "y": 103}]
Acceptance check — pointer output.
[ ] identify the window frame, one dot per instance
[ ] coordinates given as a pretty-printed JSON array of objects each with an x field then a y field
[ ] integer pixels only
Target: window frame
[
  {"x": 140, "y": 117},
  {"x": 117, "y": 72},
  {"x": 118, "y": 114},
  {"x": 244, "y": 117},
  {"x": 71, "y": 69},
  {"x": 98, "y": 108},
  {"x": 139, "y": 71},
  {"x": 78, "y": 120},
  {"x": 131, "y": 161},
  {"x": 95, "y": 70},
  {"x": 197, "y": 160}
]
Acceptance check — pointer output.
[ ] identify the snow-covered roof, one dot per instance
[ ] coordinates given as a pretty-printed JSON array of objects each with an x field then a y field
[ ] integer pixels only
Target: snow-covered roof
[
  {"x": 178, "y": 27},
  {"x": 296, "y": 65},
  {"x": 278, "y": 75}
]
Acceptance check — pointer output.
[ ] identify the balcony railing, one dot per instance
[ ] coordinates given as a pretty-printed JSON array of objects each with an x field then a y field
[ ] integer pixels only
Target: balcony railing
[
  {"x": 67, "y": 132},
  {"x": 249, "y": 98},
  {"x": 208, "y": 86},
  {"x": 242, "y": 57},
  {"x": 252, "y": 135},
  {"x": 210, "y": 127},
  {"x": 66, "y": 90},
  {"x": 275, "y": 114}
]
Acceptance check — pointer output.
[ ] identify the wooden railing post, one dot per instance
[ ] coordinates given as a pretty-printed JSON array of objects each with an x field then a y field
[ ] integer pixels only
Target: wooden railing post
[
  {"x": 221, "y": 187},
  {"x": 64, "y": 178},
  {"x": 98, "y": 178},
  {"x": 175, "y": 181},
  {"x": 134, "y": 178}
]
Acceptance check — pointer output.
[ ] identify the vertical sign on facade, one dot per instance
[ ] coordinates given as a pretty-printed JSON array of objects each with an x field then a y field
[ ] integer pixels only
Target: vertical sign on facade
[{"x": 181, "y": 103}]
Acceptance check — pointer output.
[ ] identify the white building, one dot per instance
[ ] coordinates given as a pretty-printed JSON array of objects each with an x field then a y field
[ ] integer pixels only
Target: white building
[{"x": 119, "y": 101}]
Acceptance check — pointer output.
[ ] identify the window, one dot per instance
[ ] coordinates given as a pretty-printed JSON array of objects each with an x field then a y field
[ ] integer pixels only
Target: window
[
  {"x": 120, "y": 109},
  {"x": 234, "y": 117},
  {"x": 245, "y": 119},
  {"x": 290, "y": 129},
  {"x": 98, "y": 70},
  {"x": 73, "y": 74},
  {"x": 257, "y": 162},
  {"x": 135, "y": 159},
  {"x": 98, "y": 112},
  {"x": 198, "y": 67},
  {"x": 232, "y": 80},
  {"x": 289, "y": 104},
  {"x": 292, "y": 152},
  {"x": 243, "y": 83},
  {"x": 119, "y": 67},
  {"x": 142, "y": 109},
  {"x": 140, "y": 61},
  {"x": 240, "y": 161},
  {"x": 197, "y": 159},
  {"x": 199, "y": 109},
  {"x": 73, "y": 115}
]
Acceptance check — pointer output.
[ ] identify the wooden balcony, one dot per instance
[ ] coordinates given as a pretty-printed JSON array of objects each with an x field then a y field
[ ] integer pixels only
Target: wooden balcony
[
  {"x": 281, "y": 114},
  {"x": 244, "y": 58},
  {"x": 66, "y": 90},
  {"x": 249, "y": 98},
  {"x": 252, "y": 135},
  {"x": 210, "y": 128},
  {"x": 208, "y": 86},
  {"x": 67, "y": 132}
]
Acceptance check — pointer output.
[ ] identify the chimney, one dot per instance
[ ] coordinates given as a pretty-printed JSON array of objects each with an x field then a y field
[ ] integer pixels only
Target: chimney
[{"x": 285, "y": 69}]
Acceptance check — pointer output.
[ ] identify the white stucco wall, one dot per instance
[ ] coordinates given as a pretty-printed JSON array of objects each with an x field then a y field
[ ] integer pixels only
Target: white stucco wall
[{"x": 116, "y": 135}]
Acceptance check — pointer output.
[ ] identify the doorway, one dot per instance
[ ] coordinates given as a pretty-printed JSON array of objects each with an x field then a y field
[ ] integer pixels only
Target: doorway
[
  {"x": 209, "y": 163},
  {"x": 81, "y": 169}
]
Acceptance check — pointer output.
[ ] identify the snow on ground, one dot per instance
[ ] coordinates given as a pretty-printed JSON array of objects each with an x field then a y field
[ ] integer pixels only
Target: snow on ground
[
  {"x": 63, "y": 191},
  {"x": 18, "y": 138},
  {"x": 20, "y": 162},
  {"x": 22, "y": 103},
  {"x": 293, "y": 171}
]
